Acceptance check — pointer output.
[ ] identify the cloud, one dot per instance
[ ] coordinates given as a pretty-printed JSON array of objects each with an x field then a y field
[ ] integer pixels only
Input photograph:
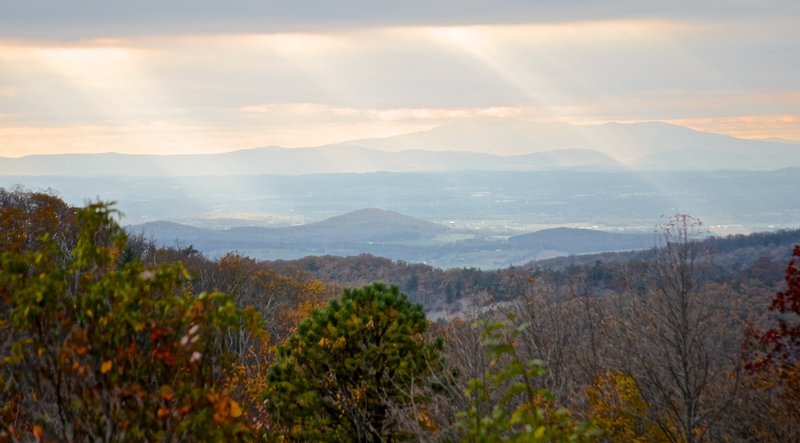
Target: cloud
[
  {"x": 172, "y": 138},
  {"x": 88, "y": 18},
  {"x": 300, "y": 109},
  {"x": 321, "y": 112},
  {"x": 757, "y": 127},
  {"x": 352, "y": 78}
]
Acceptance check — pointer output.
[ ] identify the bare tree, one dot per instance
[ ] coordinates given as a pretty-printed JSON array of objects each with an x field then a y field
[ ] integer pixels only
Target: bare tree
[{"x": 679, "y": 338}]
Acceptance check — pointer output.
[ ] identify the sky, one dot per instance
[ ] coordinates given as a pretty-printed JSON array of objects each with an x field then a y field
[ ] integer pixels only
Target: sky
[{"x": 204, "y": 76}]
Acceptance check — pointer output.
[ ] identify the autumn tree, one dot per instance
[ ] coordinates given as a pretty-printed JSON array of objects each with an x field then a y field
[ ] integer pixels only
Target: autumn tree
[
  {"x": 508, "y": 405},
  {"x": 338, "y": 375},
  {"x": 25, "y": 216},
  {"x": 100, "y": 347},
  {"x": 772, "y": 357},
  {"x": 678, "y": 338},
  {"x": 617, "y": 407}
]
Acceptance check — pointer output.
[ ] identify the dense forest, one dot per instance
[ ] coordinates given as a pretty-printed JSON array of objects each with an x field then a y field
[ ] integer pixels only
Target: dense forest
[
  {"x": 737, "y": 260},
  {"x": 105, "y": 336}
]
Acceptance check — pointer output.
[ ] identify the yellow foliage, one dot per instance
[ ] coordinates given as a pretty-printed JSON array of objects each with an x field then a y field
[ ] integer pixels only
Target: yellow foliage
[
  {"x": 425, "y": 420},
  {"x": 236, "y": 410},
  {"x": 782, "y": 409},
  {"x": 617, "y": 407},
  {"x": 339, "y": 343},
  {"x": 38, "y": 432}
]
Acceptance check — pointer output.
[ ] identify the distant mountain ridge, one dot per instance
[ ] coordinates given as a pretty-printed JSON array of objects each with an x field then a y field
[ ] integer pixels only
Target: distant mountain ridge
[
  {"x": 468, "y": 146},
  {"x": 295, "y": 161},
  {"x": 364, "y": 225},
  {"x": 392, "y": 235},
  {"x": 647, "y": 145},
  {"x": 582, "y": 241}
]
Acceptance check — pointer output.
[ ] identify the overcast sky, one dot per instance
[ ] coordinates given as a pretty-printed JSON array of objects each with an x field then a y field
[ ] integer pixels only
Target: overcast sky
[{"x": 209, "y": 76}]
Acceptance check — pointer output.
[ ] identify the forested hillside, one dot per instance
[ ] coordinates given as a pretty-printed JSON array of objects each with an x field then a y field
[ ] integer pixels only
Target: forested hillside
[
  {"x": 735, "y": 260},
  {"x": 107, "y": 337}
]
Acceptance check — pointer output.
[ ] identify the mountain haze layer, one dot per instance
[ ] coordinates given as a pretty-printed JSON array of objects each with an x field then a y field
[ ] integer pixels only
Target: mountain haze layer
[
  {"x": 650, "y": 145},
  {"x": 392, "y": 235},
  {"x": 627, "y": 199},
  {"x": 468, "y": 146},
  {"x": 361, "y": 226},
  {"x": 296, "y": 161}
]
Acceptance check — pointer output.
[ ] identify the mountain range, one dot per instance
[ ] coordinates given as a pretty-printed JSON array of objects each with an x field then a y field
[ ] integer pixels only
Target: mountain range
[
  {"x": 295, "y": 161},
  {"x": 632, "y": 144},
  {"x": 475, "y": 145},
  {"x": 392, "y": 235}
]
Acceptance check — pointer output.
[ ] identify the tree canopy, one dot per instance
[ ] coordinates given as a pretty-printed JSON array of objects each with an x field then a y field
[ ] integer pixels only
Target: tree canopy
[
  {"x": 102, "y": 348},
  {"x": 336, "y": 376}
]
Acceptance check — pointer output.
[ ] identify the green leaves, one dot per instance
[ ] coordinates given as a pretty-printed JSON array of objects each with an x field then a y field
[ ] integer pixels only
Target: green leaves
[
  {"x": 335, "y": 377},
  {"x": 108, "y": 349},
  {"x": 506, "y": 403}
]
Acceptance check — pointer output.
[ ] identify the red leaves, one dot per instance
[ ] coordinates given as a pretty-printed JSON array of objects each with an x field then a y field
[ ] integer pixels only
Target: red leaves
[
  {"x": 196, "y": 311},
  {"x": 128, "y": 352},
  {"x": 95, "y": 327},
  {"x": 778, "y": 348},
  {"x": 789, "y": 300},
  {"x": 156, "y": 332},
  {"x": 161, "y": 351},
  {"x": 163, "y": 354}
]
